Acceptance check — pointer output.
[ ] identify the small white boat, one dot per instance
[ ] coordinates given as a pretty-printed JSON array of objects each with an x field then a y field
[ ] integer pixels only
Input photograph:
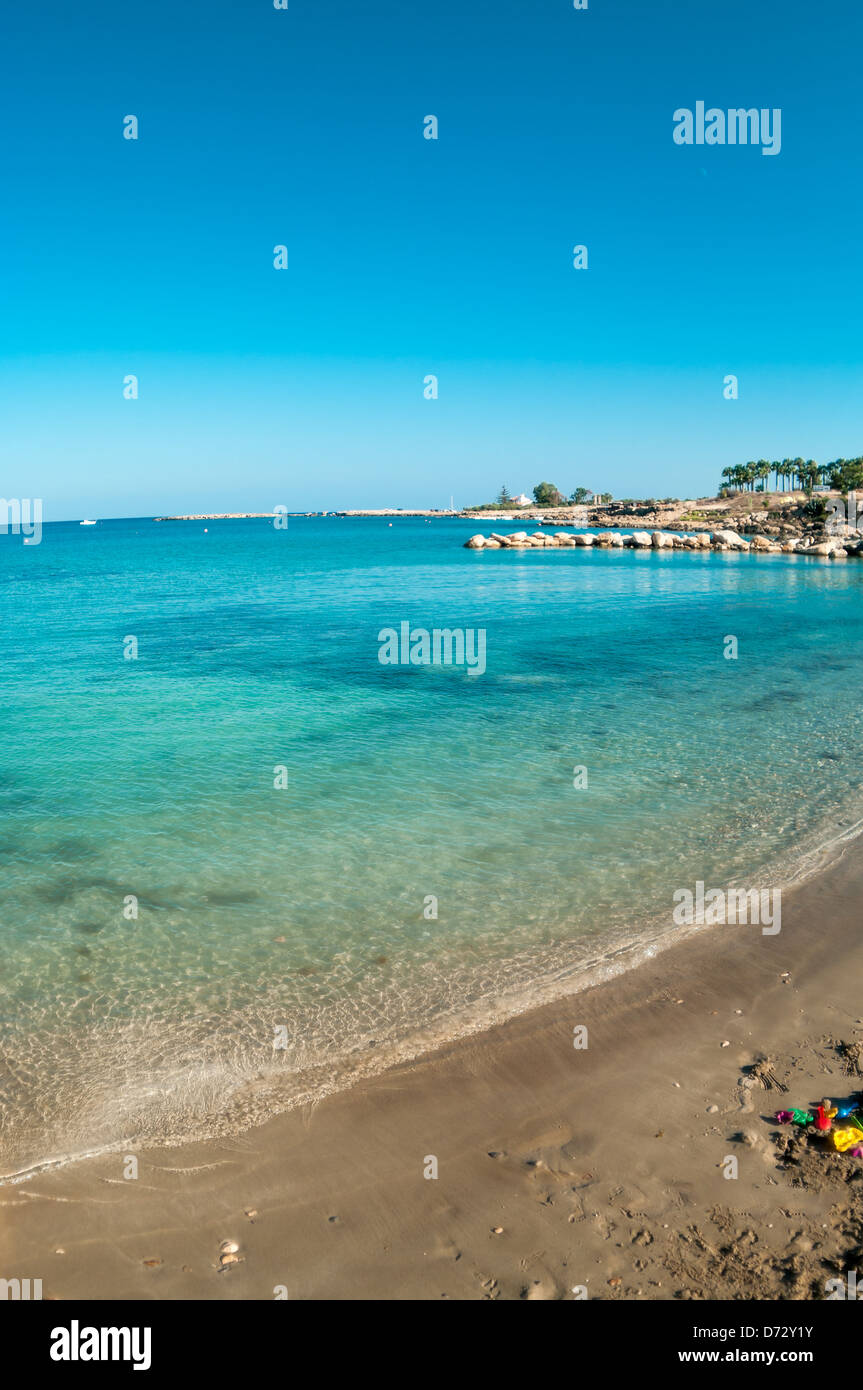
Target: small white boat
[{"x": 86, "y": 523}]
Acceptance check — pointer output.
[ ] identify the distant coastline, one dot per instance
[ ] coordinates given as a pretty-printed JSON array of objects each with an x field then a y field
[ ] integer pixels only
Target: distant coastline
[
  {"x": 382, "y": 511},
  {"x": 779, "y": 516}
]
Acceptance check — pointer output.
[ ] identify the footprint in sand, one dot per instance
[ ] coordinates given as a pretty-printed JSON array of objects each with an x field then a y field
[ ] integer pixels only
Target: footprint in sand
[
  {"x": 544, "y": 1289},
  {"x": 745, "y": 1086}
]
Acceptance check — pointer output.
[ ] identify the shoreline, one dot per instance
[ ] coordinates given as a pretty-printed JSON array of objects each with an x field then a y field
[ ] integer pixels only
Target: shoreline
[
  {"x": 339, "y": 1184},
  {"x": 562, "y": 979}
]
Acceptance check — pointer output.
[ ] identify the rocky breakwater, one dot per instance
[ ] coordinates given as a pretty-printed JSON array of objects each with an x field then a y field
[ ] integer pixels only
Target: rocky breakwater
[{"x": 828, "y": 547}]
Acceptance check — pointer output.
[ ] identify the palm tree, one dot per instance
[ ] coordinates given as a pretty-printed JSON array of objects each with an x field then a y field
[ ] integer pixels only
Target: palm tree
[
  {"x": 762, "y": 472},
  {"x": 810, "y": 474}
]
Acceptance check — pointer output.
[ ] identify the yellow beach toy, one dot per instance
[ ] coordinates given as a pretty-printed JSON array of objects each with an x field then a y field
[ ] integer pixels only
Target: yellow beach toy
[{"x": 846, "y": 1138}]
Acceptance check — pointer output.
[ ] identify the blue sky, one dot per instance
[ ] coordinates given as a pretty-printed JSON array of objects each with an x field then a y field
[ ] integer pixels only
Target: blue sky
[{"x": 409, "y": 256}]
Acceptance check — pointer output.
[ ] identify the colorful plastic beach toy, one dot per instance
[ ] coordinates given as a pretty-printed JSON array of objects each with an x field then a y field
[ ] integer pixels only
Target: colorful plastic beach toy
[{"x": 845, "y": 1138}]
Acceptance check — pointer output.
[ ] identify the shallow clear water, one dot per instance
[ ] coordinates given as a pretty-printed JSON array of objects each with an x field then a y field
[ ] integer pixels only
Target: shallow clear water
[{"x": 304, "y": 908}]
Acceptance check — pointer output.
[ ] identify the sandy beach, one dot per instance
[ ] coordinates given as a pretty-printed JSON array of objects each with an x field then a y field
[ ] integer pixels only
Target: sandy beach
[{"x": 558, "y": 1169}]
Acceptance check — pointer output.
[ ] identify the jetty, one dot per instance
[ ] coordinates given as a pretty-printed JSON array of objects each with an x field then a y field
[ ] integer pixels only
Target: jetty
[{"x": 827, "y": 546}]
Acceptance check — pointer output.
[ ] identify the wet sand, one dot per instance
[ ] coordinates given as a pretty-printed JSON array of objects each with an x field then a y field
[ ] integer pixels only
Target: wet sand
[{"x": 557, "y": 1168}]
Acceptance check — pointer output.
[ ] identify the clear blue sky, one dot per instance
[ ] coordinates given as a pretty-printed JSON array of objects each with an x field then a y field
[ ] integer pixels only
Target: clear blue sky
[{"x": 410, "y": 256}]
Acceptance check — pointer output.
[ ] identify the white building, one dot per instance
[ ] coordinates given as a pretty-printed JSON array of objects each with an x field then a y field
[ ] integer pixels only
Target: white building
[{"x": 523, "y": 501}]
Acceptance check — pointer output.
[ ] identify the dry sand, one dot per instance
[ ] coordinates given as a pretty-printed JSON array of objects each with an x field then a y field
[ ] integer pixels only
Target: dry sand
[{"x": 557, "y": 1168}]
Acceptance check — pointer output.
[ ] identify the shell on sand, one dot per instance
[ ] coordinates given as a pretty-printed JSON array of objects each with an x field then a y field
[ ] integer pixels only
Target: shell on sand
[{"x": 229, "y": 1247}]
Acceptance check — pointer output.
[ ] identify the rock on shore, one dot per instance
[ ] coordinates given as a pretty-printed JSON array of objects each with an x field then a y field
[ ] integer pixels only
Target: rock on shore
[{"x": 827, "y": 547}]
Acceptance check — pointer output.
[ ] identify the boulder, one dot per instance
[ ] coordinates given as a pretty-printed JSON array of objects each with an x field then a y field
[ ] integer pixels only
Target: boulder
[
  {"x": 660, "y": 540},
  {"x": 830, "y": 547},
  {"x": 492, "y": 544},
  {"x": 641, "y": 539},
  {"x": 475, "y": 543},
  {"x": 587, "y": 539},
  {"x": 730, "y": 539}
]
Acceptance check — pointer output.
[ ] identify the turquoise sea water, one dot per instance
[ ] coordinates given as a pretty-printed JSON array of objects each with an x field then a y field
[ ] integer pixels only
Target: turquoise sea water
[{"x": 306, "y": 908}]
